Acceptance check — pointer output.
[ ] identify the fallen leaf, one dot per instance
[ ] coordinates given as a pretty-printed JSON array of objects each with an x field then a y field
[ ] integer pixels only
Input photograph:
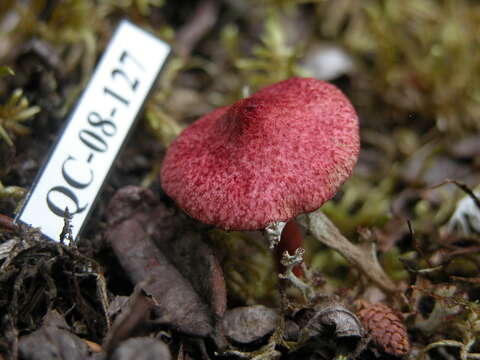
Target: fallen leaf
[
  {"x": 248, "y": 324},
  {"x": 153, "y": 242},
  {"x": 132, "y": 320},
  {"x": 117, "y": 305},
  {"x": 53, "y": 341},
  {"x": 329, "y": 319},
  {"x": 143, "y": 348}
]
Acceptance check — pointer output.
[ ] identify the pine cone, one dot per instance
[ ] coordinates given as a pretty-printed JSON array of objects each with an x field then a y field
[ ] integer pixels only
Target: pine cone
[{"x": 385, "y": 327}]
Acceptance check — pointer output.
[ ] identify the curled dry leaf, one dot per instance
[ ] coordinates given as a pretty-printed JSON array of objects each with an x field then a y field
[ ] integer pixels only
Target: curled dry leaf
[
  {"x": 117, "y": 305},
  {"x": 248, "y": 324},
  {"x": 364, "y": 259},
  {"x": 326, "y": 331},
  {"x": 177, "y": 302},
  {"x": 143, "y": 348},
  {"x": 154, "y": 243},
  {"x": 53, "y": 340},
  {"x": 129, "y": 201},
  {"x": 195, "y": 261},
  {"x": 331, "y": 318},
  {"x": 132, "y": 316}
]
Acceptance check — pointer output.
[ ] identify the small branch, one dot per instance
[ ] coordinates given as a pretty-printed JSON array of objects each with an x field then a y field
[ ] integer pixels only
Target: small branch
[
  {"x": 364, "y": 259},
  {"x": 462, "y": 187},
  {"x": 200, "y": 23}
]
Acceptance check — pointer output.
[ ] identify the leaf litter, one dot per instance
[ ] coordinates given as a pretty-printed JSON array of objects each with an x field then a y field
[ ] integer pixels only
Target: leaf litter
[{"x": 395, "y": 227}]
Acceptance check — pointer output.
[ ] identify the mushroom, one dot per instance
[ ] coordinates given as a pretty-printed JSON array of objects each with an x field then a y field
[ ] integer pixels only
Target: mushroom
[{"x": 262, "y": 161}]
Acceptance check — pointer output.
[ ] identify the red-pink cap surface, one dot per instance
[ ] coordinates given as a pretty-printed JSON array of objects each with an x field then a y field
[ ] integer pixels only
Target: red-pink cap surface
[{"x": 281, "y": 152}]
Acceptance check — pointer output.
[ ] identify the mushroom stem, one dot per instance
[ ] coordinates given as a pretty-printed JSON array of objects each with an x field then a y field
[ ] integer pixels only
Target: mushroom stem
[
  {"x": 273, "y": 232},
  {"x": 291, "y": 239}
]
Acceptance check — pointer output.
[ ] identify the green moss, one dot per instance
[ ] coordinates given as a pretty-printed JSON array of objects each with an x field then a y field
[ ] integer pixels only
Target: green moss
[
  {"x": 361, "y": 204},
  {"x": 415, "y": 56},
  {"x": 13, "y": 114},
  {"x": 272, "y": 58}
]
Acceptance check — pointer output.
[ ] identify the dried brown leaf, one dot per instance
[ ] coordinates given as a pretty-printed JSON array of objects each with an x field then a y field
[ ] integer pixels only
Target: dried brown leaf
[
  {"x": 245, "y": 325},
  {"x": 154, "y": 243},
  {"x": 53, "y": 340},
  {"x": 142, "y": 349},
  {"x": 129, "y": 323},
  {"x": 330, "y": 318}
]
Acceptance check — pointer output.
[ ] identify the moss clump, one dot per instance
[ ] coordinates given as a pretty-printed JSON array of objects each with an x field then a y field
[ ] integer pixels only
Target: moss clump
[{"x": 415, "y": 56}]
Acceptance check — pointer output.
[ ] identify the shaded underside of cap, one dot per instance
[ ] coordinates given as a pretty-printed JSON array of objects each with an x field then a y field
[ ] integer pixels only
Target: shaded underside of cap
[{"x": 279, "y": 153}]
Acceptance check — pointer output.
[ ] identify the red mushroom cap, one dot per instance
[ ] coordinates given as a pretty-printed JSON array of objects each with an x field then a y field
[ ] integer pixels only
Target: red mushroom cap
[{"x": 281, "y": 152}]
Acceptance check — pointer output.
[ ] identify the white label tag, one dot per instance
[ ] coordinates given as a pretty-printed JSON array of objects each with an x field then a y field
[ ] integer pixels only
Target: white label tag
[{"x": 84, "y": 153}]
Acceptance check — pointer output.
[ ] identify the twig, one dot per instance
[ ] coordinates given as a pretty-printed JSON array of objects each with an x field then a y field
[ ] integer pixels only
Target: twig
[
  {"x": 463, "y": 187},
  {"x": 198, "y": 25},
  {"x": 365, "y": 259}
]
